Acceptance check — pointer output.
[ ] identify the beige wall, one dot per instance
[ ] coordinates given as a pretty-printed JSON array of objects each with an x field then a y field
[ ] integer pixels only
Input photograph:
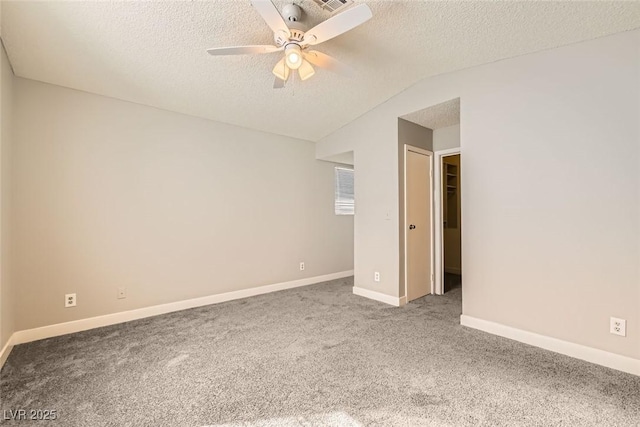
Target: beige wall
[
  {"x": 111, "y": 194},
  {"x": 7, "y": 299},
  {"x": 551, "y": 203},
  {"x": 421, "y": 137}
]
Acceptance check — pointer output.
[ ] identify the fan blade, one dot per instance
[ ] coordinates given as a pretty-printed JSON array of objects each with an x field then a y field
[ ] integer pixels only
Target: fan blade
[
  {"x": 243, "y": 50},
  {"x": 271, "y": 16},
  {"x": 337, "y": 25},
  {"x": 322, "y": 60},
  {"x": 278, "y": 83}
]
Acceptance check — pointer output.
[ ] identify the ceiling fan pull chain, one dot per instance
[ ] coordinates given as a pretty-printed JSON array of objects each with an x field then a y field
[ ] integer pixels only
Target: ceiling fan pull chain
[{"x": 293, "y": 85}]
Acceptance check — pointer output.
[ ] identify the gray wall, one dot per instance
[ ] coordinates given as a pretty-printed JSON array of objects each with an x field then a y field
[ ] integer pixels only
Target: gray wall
[
  {"x": 551, "y": 200},
  {"x": 446, "y": 138},
  {"x": 418, "y": 136},
  {"x": 112, "y": 194}
]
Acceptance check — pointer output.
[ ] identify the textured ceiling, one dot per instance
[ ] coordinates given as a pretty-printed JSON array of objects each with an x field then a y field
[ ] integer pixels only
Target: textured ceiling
[
  {"x": 438, "y": 116},
  {"x": 153, "y": 53}
]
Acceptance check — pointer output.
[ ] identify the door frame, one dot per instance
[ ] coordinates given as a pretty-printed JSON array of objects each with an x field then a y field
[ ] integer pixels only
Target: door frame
[
  {"x": 439, "y": 229},
  {"x": 428, "y": 153}
]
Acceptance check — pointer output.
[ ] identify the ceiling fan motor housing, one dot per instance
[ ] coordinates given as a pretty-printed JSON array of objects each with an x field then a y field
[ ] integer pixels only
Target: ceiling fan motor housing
[
  {"x": 296, "y": 34},
  {"x": 292, "y": 12}
]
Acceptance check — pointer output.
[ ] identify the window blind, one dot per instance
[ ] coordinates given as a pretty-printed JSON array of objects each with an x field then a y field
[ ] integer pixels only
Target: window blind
[{"x": 344, "y": 201}]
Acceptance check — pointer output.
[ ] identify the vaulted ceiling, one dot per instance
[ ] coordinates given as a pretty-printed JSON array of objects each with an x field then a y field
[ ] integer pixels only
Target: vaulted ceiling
[{"x": 154, "y": 53}]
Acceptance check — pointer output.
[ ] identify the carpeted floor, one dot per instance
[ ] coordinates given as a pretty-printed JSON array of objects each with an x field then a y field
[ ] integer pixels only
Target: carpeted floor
[{"x": 311, "y": 356}]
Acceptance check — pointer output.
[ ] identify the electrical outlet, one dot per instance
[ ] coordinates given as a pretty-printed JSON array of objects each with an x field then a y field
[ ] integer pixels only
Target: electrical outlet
[
  {"x": 618, "y": 326},
  {"x": 122, "y": 293},
  {"x": 376, "y": 276},
  {"x": 302, "y": 266},
  {"x": 70, "y": 300}
]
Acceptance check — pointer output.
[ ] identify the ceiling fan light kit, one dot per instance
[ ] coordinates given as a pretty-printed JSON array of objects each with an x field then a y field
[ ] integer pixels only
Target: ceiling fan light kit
[
  {"x": 293, "y": 55},
  {"x": 289, "y": 36},
  {"x": 305, "y": 71},
  {"x": 281, "y": 70}
]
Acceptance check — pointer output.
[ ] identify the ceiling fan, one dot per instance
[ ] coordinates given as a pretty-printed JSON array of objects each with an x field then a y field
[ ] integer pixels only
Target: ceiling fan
[{"x": 296, "y": 42}]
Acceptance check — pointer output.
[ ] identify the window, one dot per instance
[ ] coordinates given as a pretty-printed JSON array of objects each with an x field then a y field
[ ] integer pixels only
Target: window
[{"x": 344, "y": 192}]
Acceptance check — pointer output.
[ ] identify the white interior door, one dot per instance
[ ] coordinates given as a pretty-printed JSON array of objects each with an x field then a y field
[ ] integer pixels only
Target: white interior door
[{"x": 418, "y": 223}]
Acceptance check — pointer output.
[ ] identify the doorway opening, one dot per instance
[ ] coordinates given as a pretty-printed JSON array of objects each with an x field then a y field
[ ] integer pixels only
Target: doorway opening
[
  {"x": 451, "y": 222},
  {"x": 438, "y": 131},
  {"x": 344, "y": 200}
]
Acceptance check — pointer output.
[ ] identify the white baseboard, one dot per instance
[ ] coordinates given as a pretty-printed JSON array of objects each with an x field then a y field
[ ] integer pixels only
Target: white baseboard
[
  {"x": 6, "y": 350},
  {"x": 387, "y": 299},
  {"x": 50, "y": 331},
  {"x": 589, "y": 354}
]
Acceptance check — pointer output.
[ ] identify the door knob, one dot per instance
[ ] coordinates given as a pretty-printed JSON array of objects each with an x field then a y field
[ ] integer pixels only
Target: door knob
[{"x": 411, "y": 227}]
